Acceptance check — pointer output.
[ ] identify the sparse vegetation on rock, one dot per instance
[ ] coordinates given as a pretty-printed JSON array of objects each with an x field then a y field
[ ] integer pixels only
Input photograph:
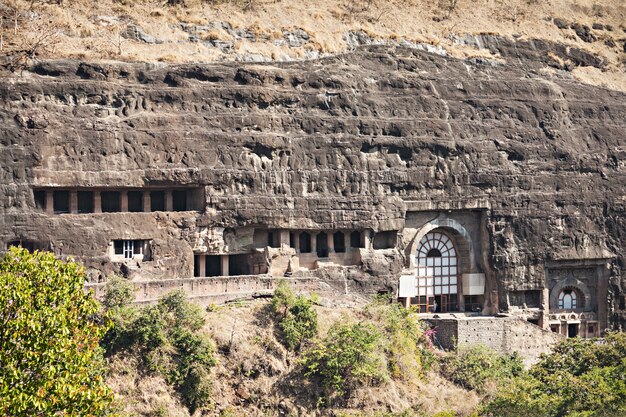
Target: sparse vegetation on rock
[
  {"x": 474, "y": 367},
  {"x": 166, "y": 340}
]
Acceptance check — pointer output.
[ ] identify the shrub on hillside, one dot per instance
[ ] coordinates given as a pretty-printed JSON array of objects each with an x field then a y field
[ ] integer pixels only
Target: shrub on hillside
[
  {"x": 581, "y": 378},
  {"x": 349, "y": 356},
  {"x": 168, "y": 341},
  {"x": 407, "y": 349},
  {"x": 297, "y": 317},
  {"x": 472, "y": 367}
]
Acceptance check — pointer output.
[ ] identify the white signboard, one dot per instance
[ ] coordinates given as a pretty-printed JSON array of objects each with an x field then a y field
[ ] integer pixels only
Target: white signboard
[
  {"x": 473, "y": 284},
  {"x": 408, "y": 286}
]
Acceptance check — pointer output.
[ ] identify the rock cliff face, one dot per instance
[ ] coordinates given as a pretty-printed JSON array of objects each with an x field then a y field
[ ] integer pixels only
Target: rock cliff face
[{"x": 353, "y": 142}]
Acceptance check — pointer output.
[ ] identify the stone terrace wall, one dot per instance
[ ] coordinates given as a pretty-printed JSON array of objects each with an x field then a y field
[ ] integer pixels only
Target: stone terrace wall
[{"x": 502, "y": 334}]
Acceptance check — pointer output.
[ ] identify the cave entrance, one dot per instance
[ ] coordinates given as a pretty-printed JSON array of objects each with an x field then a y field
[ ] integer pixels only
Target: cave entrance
[
  {"x": 321, "y": 245},
  {"x": 572, "y": 330}
]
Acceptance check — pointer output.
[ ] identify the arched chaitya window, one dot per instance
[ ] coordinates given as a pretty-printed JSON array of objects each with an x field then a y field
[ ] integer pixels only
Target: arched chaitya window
[
  {"x": 568, "y": 299},
  {"x": 437, "y": 274}
]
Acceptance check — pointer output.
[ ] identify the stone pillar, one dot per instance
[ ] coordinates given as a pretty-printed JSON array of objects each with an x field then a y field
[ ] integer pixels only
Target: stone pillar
[
  {"x": 346, "y": 241},
  {"x": 97, "y": 202},
  {"x": 366, "y": 239},
  {"x": 123, "y": 201},
  {"x": 297, "y": 237},
  {"x": 146, "y": 202},
  {"x": 49, "y": 201},
  {"x": 169, "y": 202},
  {"x": 224, "y": 260},
  {"x": 201, "y": 265},
  {"x": 284, "y": 237},
  {"x": 460, "y": 297},
  {"x": 545, "y": 309},
  {"x": 314, "y": 242},
  {"x": 73, "y": 201},
  {"x": 331, "y": 242}
]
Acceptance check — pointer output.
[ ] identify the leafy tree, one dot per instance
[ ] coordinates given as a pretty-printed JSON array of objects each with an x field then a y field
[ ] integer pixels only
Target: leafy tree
[
  {"x": 407, "y": 348},
  {"x": 50, "y": 359},
  {"x": 119, "y": 293}
]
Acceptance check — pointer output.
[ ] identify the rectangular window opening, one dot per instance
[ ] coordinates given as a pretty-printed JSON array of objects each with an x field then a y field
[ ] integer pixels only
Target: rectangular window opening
[
  {"x": 157, "y": 200},
  {"x": 40, "y": 199},
  {"x": 179, "y": 200},
  {"x": 135, "y": 201},
  {"x": 85, "y": 201},
  {"x": 61, "y": 201},
  {"x": 131, "y": 249},
  {"x": 110, "y": 201},
  {"x": 213, "y": 266}
]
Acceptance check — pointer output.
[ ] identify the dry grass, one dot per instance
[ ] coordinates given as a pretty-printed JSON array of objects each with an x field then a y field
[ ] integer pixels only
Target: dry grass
[
  {"x": 78, "y": 33},
  {"x": 140, "y": 395}
]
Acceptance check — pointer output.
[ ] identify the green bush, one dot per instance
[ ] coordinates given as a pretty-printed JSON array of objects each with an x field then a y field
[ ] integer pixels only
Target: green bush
[
  {"x": 167, "y": 338},
  {"x": 472, "y": 367},
  {"x": 407, "y": 349},
  {"x": 119, "y": 293},
  {"x": 297, "y": 317},
  {"x": 581, "y": 378},
  {"x": 349, "y": 356}
]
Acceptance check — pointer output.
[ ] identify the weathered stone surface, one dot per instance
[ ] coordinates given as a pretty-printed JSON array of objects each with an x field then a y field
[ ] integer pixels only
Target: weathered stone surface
[
  {"x": 347, "y": 142},
  {"x": 136, "y": 33}
]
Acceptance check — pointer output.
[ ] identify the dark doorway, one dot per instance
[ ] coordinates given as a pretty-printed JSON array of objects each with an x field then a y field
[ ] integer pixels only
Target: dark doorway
[
  {"x": 239, "y": 264},
  {"x": 355, "y": 239},
  {"x": 61, "y": 201},
  {"x": 321, "y": 247},
  {"x": 85, "y": 202},
  {"x": 157, "y": 200},
  {"x": 110, "y": 201},
  {"x": 273, "y": 239},
  {"x": 572, "y": 330},
  {"x": 305, "y": 242},
  {"x": 135, "y": 201},
  {"x": 339, "y": 242},
  {"x": 40, "y": 199},
  {"x": 213, "y": 266},
  {"x": 179, "y": 200}
]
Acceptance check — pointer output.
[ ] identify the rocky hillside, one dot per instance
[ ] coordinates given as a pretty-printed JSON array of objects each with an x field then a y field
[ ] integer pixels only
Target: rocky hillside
[{"x": 180, "y": 31}]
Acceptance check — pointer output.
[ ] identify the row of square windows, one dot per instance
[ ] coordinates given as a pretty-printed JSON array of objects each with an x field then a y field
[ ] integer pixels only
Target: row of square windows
[
  {"x": 110, "y": 201},
  {"x": 436, "y": 280},
  {"x": 437, "y": 290},
  {"x": 436, "y": 271}
]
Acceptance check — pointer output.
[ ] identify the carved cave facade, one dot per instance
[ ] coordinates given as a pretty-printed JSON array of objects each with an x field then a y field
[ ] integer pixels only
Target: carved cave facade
[{"x": 487, "y": 193}]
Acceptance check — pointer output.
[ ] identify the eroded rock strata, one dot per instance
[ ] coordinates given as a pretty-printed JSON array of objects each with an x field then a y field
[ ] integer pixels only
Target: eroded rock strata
[{"x": 522, "y": 168}]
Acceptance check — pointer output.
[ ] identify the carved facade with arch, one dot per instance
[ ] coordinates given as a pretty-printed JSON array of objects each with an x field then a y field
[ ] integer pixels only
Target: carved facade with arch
[
  {"x": 575, "y": 292},
  {"x": 444, "y": 269},
  {"x": 448, "y": 269}
]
